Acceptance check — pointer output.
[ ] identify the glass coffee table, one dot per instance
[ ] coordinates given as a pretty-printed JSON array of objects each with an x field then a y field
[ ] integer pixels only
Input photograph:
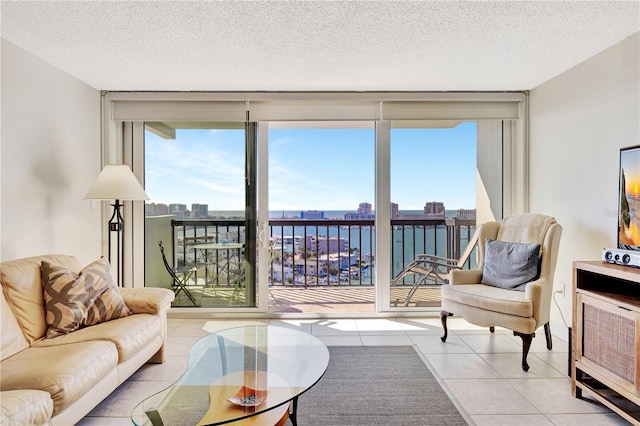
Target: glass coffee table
[{"x": 240, "y": 376}]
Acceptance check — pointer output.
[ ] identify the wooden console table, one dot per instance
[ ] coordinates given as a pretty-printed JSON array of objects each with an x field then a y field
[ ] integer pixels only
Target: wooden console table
[{"x": 605, "y": 354}]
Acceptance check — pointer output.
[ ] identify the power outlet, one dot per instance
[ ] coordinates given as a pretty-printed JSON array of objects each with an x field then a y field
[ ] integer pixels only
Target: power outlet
[{"x": 560, "y": 290}]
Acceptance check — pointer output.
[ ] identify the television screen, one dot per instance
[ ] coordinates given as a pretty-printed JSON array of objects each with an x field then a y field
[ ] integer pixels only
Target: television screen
[{"x": 629, "y": 199}]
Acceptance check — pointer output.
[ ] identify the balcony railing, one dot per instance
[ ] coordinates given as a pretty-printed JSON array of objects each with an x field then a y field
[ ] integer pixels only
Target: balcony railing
[{"x": 315, "y": 253}]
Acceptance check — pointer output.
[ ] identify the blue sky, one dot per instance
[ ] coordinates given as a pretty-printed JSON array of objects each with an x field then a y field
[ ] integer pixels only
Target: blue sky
[{"x": 314, "y": 169}]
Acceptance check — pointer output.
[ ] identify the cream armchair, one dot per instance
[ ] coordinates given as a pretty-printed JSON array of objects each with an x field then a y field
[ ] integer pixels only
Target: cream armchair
[{"x": 494, "y": 294}]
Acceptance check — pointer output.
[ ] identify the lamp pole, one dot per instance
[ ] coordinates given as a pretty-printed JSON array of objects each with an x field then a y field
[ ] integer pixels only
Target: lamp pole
[{"x": 116, "y": 225}]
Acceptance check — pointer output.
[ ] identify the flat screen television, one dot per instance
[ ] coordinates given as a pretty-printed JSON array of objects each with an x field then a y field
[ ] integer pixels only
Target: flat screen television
[{"x": 629, "y": 199}]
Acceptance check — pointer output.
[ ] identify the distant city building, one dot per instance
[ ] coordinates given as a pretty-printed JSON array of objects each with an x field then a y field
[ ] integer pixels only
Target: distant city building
[
  {"x": 411, "y": 216},
  {"x": 359, "y": 216},
  {"x": 467, "y": 214},
  {"x": 173, "y": 208},
  {"x": 323, "y": 244},
  {"x": 394, "y": 211},
  {"x": 364, "y": 208},
  {"x": 155, "y": 209},
  {"x": 364, "y": 212},
  {"x": 199, "y": 210},
  {"x": 180, "y": 211},
  {"x": 434, "y": 210},
  {"x": 312, "y": 214}
]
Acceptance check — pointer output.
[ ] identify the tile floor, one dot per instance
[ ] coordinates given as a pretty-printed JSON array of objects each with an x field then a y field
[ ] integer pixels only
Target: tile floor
[{"x": 481, "y": 371}]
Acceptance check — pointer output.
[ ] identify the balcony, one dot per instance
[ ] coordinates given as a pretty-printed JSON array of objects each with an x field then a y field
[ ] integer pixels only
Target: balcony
[{"x": 336, "y": 257}]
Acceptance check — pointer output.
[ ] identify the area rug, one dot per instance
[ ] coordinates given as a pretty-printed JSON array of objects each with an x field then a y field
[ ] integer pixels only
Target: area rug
[{"x": 376, "y": 386}]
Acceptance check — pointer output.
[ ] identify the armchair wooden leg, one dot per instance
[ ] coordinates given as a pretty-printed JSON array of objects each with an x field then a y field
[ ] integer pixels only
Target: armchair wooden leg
[
  {"x": 443, "y": 320},
  {"x": 526, "y": 344},
  {"x": 547, "y": 335}
]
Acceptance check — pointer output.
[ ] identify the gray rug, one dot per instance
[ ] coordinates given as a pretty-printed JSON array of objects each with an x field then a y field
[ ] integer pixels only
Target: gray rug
[{"x": 377, "y": 385}]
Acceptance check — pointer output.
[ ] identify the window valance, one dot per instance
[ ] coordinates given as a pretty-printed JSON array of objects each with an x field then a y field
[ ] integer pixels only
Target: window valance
[{"x": 230, "y": 107}]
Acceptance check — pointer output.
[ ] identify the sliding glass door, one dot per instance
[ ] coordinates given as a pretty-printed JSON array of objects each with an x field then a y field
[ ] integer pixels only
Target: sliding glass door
[
  {"x": 229, "y": 173},
  {"x": 433, "y": 176},
  {"x": 321, "y": 214},
  {"x": 200, "y": 178}
]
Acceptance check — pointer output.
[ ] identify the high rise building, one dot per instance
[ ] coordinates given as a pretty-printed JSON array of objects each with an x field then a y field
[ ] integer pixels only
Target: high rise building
[
  {"x": 394, "y": 211},
  {"x": 155, "y": 209},
  {"x": 364, "y": 208},
  {"x": 469, "y": 214},
  {"x": 312, "y": 214},
  {"x": 174, "y": 208},
  {"x": 434, "y": 210},
  {"x": 199, "y": 210}
]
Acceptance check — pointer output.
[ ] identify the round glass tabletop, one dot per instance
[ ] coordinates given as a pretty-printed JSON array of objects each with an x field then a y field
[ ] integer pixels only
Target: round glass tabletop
[{"x": 236, "y": 374}]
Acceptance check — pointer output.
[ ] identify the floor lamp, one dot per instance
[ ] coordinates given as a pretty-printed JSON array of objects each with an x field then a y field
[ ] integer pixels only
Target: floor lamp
[{"x": 116, "y": 182}]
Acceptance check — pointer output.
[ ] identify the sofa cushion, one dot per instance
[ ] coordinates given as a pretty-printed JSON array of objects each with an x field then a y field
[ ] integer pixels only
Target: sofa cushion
[
  {"x": 22, "y": 286},
  {"x": 147, "y": 300},
  {"x": 75, "y": 300},
  {"x": 129, "y": 334},
  {"x": 25, "y": 407},
  {"x": 489, "y": 298},
  {"x": 78, "y": 367},
  {"x": 12, "y": 339},
  {"x": 510, "y": 265}
]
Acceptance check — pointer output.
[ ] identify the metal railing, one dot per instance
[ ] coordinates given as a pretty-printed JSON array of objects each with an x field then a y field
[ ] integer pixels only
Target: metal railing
[{"x": 310, "y": 253}]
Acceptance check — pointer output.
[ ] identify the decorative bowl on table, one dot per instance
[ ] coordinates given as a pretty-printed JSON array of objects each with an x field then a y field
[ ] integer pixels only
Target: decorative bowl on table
[{"x": 248, "y": 397}]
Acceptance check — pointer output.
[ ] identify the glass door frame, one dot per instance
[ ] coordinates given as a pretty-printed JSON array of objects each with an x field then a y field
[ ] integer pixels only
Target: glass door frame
[{"x": 122, "y": 126}]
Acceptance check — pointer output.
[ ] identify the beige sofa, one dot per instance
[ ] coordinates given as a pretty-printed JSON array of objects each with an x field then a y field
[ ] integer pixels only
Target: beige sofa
[{"x": 59, "y": 380}]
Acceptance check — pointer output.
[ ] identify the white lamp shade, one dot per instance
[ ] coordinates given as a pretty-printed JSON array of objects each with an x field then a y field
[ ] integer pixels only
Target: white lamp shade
[{"x": 116, "y": 182}]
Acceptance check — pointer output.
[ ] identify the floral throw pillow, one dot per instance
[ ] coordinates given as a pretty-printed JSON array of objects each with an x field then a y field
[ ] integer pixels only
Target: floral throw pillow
[{"x": 75, "y": 300}]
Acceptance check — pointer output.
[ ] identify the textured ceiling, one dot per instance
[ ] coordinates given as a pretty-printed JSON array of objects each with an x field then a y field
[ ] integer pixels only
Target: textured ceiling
[{"x": 317, "y": 45}]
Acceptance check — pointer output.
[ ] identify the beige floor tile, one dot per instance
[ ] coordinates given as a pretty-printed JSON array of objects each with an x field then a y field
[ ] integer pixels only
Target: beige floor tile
[
  {"x": 511, "y": 419},
  {"x": 385, "y": 340},
  {"x": 431, "y": 344},
  {"x": 509, "y": 366},
  {"x": 123, "y": 400},
  {"x": 191, "y": 327},
  {"x": 539, "y": 342},
  {"x": 495, "y": 397},
  {"x": 418, "y": 326},
  {"x": 490, "y": 343},
  {"x": 334, "y": 327},
  {"x": 461, "y": 366},
  {"x": 302, "y": 325},
  {"x": 104, "y": 421},
  {"x": 558, "y": 360},
  {"x": 554, "y": 396},
  {"x": 381, "y": 326},
  {"x": 174, "y": 323},
  {"x": 214, "y": 325},
  {"x": 604, "y": 419},
  {"x": 348, "y": 340},
  {"x": 233, "y": 323},
  {"x": 180, "y": 345},
  {"x": 481, "y": 370},
  {"x": 170, "y": 370}
]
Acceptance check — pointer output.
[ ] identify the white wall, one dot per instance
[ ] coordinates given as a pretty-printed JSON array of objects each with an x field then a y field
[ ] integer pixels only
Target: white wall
[
  {"x": 49, "y": 156},
  {"x": 579, "y": 121}
]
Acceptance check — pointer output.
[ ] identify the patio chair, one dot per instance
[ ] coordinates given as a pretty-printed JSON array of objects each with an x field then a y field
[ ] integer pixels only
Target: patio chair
[
  {"x": 180, "y": 276},
  {"x": 433, "y": 269},
  {"x": 237, "y": 277}
]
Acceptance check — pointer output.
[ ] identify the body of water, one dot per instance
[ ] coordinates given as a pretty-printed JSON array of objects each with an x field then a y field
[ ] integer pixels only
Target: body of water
[{"x": 297, "y": 214}]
